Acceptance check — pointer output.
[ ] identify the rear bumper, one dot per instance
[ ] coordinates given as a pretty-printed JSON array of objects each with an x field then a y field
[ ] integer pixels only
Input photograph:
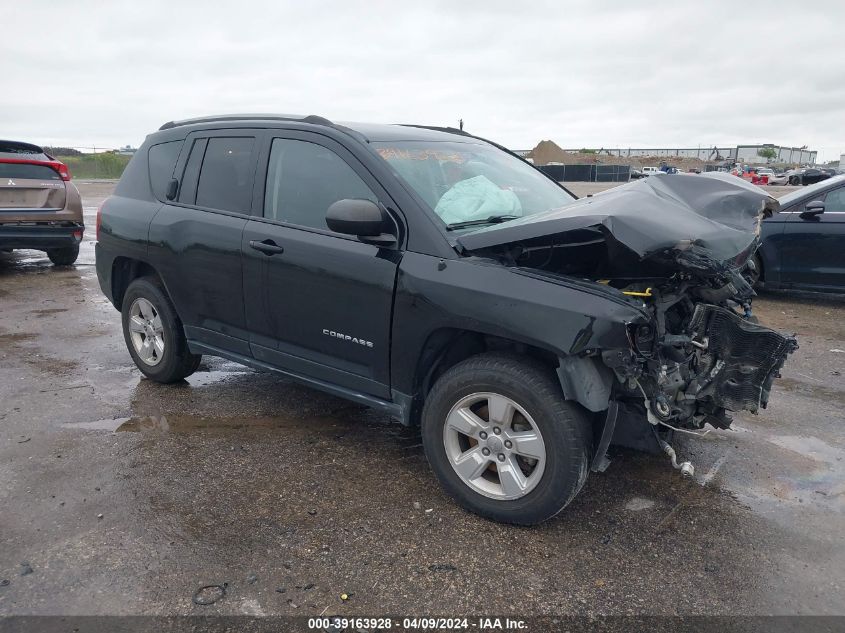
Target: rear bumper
[{"x": 40, "y": 236}]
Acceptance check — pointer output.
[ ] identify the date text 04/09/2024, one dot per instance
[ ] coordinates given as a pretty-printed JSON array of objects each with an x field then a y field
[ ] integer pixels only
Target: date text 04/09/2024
[{"x": 418, "y": 623}]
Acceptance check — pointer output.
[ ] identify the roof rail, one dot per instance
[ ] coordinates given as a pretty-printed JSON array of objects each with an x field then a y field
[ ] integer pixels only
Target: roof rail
[
  {"x": 311, "y": 118},
  {"x": 450, "y": 130}
]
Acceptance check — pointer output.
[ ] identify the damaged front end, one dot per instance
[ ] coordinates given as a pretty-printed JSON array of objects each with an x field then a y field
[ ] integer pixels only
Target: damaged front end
[
  {"x": 679, "y": 246},
  {"x": 699, "y": 360}
]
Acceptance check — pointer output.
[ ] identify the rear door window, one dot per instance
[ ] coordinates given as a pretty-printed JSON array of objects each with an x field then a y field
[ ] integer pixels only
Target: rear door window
[
  {"x": 226, "y": 176},
  {"x": 162, "y": 160}
]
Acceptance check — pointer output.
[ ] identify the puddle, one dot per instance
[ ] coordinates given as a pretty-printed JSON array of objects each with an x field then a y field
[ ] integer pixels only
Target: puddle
[
  {"x": 97, "y": 425},
  {"x": 25, "y": 261},
  {"x": 185, "y": 424},
  {"x": 810, "y": 473},
  {"x": 204, "y": 378},
  {"x": 819, "y": 391},
  {"x": 48, "y": 311},
  {"x": 17, "y": 336},
  {"x": 635, "y": 504},
  {"x": 811, "y": 447},
  {"x": 336, "y": 422}
]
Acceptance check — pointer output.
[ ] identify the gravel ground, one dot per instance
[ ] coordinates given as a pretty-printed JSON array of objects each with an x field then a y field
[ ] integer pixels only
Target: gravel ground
[{"x": 122, "y": 496}]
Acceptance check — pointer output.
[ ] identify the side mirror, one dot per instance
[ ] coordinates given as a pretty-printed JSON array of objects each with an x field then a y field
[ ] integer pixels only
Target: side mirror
[
  {"x": 362, "y": 218},
  {"x": 172, "y": 189},
  {"x": 812, "y": 209}
]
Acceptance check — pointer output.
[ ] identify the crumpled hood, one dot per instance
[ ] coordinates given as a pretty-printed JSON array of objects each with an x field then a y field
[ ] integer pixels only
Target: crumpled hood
[{"x": 698, "y": 221}]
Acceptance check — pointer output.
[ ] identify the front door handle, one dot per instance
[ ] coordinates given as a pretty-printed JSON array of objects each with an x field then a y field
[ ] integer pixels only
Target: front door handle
[{"x": 268, "y": 247}]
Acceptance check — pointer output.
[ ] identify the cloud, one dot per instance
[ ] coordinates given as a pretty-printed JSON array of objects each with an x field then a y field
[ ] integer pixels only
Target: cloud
[{"x": 581, "y": 74}]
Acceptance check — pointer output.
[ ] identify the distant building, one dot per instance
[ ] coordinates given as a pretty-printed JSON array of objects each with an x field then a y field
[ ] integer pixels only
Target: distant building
[
  {"x": 750, "y": 154},
  {"x": 739, "y": 153},
  {"x": 127, "y": 150}
]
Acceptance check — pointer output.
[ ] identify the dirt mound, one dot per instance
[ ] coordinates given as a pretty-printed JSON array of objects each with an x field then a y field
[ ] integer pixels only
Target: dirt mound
[{"x": 547, "y": 152}]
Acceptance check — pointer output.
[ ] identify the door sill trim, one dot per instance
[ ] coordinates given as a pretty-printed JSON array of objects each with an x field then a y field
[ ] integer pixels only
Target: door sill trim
[{"x": 393, "y": 409}]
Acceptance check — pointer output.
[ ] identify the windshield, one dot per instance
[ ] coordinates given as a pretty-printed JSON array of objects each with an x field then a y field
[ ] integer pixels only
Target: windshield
[
  {"x": 472, "y": 184},
  {"x": 807, "y": 192}
]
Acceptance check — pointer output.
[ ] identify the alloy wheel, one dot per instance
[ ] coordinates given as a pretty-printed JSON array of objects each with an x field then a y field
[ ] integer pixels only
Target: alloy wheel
[
  {"x": 494, "y": 446},
  {"x": 146, "y": 331}
]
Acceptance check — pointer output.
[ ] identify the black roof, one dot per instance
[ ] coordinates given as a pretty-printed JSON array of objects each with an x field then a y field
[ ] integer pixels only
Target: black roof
[{"x": 17, "y": 147}]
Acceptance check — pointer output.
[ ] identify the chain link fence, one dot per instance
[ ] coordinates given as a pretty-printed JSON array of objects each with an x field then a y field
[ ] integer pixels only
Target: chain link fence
[{"x": 588, "y": 173}]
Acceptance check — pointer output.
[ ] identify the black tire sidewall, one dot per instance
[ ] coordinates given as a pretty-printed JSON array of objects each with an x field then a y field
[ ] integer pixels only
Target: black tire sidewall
[
  {"x": 63, "y": 256},
  {"x": 561, "y": 424},
  {"x": 170, "y": 366}
]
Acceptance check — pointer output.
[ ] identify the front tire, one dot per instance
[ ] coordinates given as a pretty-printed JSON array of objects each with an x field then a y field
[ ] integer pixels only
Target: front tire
[
  {"x": 153, "y": 333},
  {"x": 63, "y": 256},
  {"x": 502, "y": 440}
]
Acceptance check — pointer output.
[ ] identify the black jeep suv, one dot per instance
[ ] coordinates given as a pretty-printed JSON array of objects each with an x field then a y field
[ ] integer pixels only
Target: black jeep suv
[{"x": 442, "y": 279}]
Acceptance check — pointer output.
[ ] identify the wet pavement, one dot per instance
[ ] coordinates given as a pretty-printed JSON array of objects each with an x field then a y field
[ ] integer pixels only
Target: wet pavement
[{"x": 122, "y": 496}]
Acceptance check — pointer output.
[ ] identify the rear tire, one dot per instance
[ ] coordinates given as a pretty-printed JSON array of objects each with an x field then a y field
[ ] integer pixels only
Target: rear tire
[
  {"x": 63, "y": 256},
  {"x": 531, "y": 394},
  {"x": 154, "y": 334}
]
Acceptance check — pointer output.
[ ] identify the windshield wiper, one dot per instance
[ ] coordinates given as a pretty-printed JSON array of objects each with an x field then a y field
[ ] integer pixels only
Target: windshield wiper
[{"x": 493, "y": 219}]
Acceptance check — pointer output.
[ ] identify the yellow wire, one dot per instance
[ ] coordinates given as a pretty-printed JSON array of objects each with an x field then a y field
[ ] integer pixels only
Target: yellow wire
[{"x": 634, "y": 293}]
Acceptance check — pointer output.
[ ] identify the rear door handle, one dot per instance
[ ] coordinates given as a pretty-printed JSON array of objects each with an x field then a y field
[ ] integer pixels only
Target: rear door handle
[{"x": 268, "y": 247}]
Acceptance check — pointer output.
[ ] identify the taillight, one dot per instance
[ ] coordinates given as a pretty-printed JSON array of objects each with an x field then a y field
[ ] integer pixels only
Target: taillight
[
  {"x": 60, "y": 167},
  {"x": 99, "y": 214}
]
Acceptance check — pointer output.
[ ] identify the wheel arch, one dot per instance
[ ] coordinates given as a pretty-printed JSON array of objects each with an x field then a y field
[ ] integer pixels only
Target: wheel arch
[
  {"x": 125, "y": 270},
  {"x": 446, "y": 347}
]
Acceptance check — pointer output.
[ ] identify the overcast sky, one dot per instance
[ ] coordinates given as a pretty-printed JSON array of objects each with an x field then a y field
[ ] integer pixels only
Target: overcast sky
[{"x": 591, "y": 74}]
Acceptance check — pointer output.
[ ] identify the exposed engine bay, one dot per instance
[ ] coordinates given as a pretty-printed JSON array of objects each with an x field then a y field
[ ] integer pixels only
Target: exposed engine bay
[
  {"x": 680, "y": 247},
  {"x": 700, "y": 359}
]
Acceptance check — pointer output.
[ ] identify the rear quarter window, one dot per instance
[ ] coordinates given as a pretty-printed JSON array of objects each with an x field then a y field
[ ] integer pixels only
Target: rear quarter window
[
  {"x": 24, "y": 171},
  {"x": 227, "y": 173},
  {"x": 162, "y": 161}
]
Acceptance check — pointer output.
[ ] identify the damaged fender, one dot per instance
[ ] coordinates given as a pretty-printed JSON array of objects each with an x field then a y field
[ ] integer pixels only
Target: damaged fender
[{"x": 585, "y": 380}]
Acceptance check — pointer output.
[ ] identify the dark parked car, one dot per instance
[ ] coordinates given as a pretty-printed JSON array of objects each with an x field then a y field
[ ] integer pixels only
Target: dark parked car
[
  {"x": 804, "y": 244},
  {"x": 40, "y": 208},
  {"x": 809, "y": 176},
  {"x": 443, "y": 280}
]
